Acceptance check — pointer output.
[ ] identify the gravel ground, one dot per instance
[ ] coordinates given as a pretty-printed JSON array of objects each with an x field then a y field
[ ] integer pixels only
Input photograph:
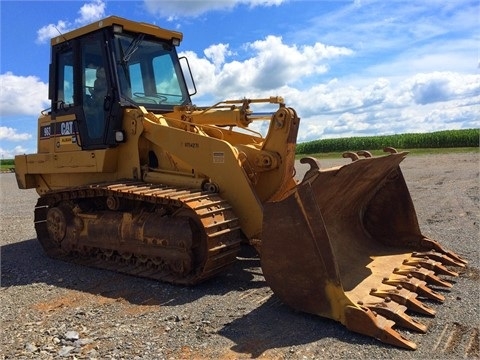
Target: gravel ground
[{"x": 51, "y": 309}]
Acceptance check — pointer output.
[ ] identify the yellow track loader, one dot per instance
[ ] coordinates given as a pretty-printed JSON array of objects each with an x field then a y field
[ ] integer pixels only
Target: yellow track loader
[{"x": 134, "y": 178}]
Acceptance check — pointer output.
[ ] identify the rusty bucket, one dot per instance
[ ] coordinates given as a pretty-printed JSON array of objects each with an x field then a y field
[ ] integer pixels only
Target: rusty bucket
[{"x": 346, "y": 245}]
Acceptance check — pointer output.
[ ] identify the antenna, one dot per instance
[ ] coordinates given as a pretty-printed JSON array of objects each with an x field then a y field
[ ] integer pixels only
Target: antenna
[{"x": 63, "y": 36}]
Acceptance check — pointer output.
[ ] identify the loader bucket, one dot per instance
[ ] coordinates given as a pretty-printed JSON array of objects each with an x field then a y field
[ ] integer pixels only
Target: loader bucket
[{"x": 346, "y": 245}]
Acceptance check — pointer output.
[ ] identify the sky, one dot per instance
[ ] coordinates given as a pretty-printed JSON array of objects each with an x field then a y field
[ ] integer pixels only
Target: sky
[{"x": 348, "y": 68}]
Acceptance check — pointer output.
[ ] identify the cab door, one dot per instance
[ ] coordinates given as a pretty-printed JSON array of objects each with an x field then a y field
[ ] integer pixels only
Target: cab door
[
  {"x": 82, "y": 88},
  {"x": 95, "y": 90}
]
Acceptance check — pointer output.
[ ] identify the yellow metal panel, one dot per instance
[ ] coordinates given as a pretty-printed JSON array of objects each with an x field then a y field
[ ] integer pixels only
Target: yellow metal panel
[
  {"x": 24, "y": 181},
  {"x": 219, "y": 160},
  {"x": 73, "y": 162},
  {"x": 136, "y": 27}
]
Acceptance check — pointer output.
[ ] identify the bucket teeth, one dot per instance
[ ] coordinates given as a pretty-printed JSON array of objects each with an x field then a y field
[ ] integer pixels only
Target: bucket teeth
[
  {"x": 422, "y": 274},
  {"x": 368, "y": 322},
  {"x": 404, "y": 297},
  {"x": 438, "y": 253},
  {"x": 430, "y": 264},
  {"x": 401, "y": 292},
  {"x": 413, "y": 284},
  {"x": 448, "y": 258},
  {"x": 396, "y": 312}
]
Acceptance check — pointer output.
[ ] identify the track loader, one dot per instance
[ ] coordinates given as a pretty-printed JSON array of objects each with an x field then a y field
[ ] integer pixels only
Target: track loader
[{"x": 134, "y": 178}]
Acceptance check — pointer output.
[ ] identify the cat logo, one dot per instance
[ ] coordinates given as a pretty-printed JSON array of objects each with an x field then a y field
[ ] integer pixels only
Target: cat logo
[{"x": 66, "y": 128}]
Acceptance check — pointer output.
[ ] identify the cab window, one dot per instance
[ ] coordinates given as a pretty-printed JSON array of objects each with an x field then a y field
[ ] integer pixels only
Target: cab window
[{"x": 65, "y": 83}]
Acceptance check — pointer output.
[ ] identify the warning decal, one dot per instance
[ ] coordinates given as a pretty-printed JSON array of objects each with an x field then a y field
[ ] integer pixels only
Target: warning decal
[{"x": 218, "y": 157}]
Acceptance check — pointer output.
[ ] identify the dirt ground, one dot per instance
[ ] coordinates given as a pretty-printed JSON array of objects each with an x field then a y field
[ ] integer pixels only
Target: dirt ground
[{"x": 51, "y": 309}]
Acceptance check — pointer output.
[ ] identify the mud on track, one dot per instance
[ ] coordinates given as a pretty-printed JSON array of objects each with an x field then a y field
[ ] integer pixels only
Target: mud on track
[{"x": 50, "y": 309}]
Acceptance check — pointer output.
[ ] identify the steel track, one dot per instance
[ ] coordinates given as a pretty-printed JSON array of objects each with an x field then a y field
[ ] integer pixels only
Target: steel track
[{"x": 218, "y": 229}]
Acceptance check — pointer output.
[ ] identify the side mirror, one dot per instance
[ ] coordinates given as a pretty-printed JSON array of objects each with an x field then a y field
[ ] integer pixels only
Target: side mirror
[{"x": 187, "y": 74}]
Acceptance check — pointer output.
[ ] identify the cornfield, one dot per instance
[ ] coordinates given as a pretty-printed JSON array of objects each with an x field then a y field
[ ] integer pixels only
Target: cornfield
[{"x": 438, "y": 139}]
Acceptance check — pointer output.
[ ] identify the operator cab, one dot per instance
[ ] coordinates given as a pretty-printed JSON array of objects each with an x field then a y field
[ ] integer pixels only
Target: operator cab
[{"x": 100, "y": 69}]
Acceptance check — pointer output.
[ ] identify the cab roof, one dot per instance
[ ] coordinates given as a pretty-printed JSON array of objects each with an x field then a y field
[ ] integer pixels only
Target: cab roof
[{"x": 128, "y": 25}]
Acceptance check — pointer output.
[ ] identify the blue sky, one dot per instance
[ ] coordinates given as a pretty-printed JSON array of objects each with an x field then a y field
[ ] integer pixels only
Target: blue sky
[{"x": 360, "y": 67}]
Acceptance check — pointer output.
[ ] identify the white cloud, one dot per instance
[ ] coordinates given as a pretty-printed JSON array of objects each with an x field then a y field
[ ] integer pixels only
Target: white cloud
[
  {"x": 52, "y": 30},
  {"x": 345, "y": 106},
  {"x": 193, "y": 8},
  {"x": 421, "y": 103},
  {"x": 441, "y": 86},
  {"x": 10, "y": 153},
  {"x": 277, "y": 64},
  {"x": 339, "y": 107},
  {"x": 271, "y": 65},
  {"x": 217, "y": 53},
  {"x": 7, "y": 133},
  {"x": 88, "y": 13},
  {"x": 22, "y": 95}
]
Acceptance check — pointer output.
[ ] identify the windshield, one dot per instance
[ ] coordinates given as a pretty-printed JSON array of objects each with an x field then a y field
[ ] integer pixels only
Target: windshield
[{"x": 149, "y": 72}]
